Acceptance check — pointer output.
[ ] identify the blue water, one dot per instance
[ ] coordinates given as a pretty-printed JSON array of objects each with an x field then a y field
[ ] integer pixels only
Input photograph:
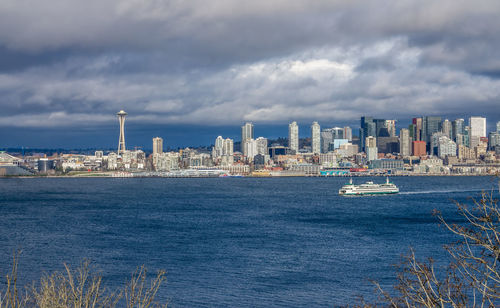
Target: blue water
[{"x": 240, "y": 242}]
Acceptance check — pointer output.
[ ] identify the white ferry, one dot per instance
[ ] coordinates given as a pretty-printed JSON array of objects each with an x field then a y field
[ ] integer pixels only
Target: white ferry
[{"x": 369, "y": 188}]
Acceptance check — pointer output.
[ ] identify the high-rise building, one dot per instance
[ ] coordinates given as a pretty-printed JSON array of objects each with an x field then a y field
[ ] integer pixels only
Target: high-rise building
[
  {"x": 417, "y": 133},
  {"x": 121, "y": 141},
  {"x": 157, "y": 145},
  {"x": 477, "y": 126},
  {"x": 219, "y": 146},
  {"x": 261, "y": 144},
  {"x": 446, "y": 147},
  {"x": 250, "y": 146},
  {"x": 457, "y": 128},
  {"x": 348, "y": 133},
  {"x": 228, "y": 147},
  {"x": 368, "y": 128},
  {"x": 338, "y": 133},
  {"x": 293, "y": 137},
  {"x": 326, "y": 139},
  {"x": 371, "y": 148},
  {"x": 315, "y": 138},
  {"x": 418, "y": 148},
  {"x": 404, "y": 142},
  {"x": 498, "y": 127},
  {"x": 246, "y": 132},
  {"x": 431, "y": 125},
  {"x": 391, "y": 127},
  {"x": 446, "y": 128}
]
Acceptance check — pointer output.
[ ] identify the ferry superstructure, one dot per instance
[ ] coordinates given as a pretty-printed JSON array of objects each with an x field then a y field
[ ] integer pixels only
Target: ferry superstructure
[{"x": 368, "y": 188}]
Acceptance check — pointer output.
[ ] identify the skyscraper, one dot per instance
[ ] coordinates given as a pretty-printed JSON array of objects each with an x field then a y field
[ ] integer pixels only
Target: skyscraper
[
  {"x": 293, "y": 136},
  {"x": 368, "y": 128},
  {"x": 431, "y": 125},
  {"x": 326, "y": 139},
  {"x": 219, "y": 146},
  {"x": 157, "y": 145},
  {"x": 121, "y": 141},
  {"x": 457, "y": 129},
  {"x": 417, "y": 134},
  {"x": 477, "y": 127},
  {"x": 315, "y": 138},
  {"x": 228, "y": 147},
  {"x": 404, "y": 142},
  {"x": 371, "y": 148},
  {"x": 498, "y": 127},
  {"x": 348, "y": 133},
  {"x": 447, "y": 128},
  {"x": 261, "y": 144},
  {"x": 246, "y": 132},
  {"x": 391, "y": 127}
]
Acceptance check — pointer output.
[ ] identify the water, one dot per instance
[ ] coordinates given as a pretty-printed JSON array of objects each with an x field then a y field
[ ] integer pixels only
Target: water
[{"x": 240, "y": 242}]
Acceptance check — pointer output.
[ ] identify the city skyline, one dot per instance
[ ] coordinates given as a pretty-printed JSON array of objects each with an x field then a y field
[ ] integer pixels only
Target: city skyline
[
  {"x": 139, "y": 135},
  {"x": 172, "y": 65}
]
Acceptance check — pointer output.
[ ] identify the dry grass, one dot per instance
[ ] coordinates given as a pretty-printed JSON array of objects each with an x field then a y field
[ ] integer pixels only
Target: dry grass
[{"x": 81, "y": 288}]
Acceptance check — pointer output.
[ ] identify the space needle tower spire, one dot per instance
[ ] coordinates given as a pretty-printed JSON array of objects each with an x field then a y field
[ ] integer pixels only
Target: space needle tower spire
[{"x": 121, "y": 142}]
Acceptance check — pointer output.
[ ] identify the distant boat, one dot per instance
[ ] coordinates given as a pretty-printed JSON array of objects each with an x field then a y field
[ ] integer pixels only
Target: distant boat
[{"x": 368, "y": 188}]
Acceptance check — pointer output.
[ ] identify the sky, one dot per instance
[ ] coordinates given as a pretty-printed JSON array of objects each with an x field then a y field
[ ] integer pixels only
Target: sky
[{"x": 189, "y": 71}]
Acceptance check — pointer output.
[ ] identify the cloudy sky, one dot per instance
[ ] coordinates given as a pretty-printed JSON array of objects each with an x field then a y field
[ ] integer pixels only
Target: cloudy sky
[{"x": 191, "y": 70}]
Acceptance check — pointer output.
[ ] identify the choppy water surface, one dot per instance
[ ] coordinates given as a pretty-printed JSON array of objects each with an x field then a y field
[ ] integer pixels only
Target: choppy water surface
[{"x": 241, "y": 242}]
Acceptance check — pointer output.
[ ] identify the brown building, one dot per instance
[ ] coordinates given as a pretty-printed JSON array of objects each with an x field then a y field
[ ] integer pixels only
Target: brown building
[{"x": 418, "y": 148}]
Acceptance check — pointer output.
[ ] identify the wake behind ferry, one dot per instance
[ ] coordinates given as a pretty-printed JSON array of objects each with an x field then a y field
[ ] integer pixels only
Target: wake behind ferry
[{"x": 369, "y": 188}]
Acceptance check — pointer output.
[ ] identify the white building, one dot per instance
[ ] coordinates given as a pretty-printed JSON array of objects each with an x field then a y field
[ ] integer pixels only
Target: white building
[
  {"x": 371, "y": 148},
  {"x": 293, "y": 136},
  {"x": 348, "y": 133},
  {"x": 219, "y": 147},
  {"x": 157, "y": 145},
  {"x": 261, "y": 144},
  {"x": 246, "y": 132},
  {"x": 446, "y": 147},
  {"x": 250, "y": 149},
  {"x": 404, "y": 142},
  {"x": 315, "y": 138},
  {"x": 477, "y": 126},
  {"x": 446, "y": 128}
]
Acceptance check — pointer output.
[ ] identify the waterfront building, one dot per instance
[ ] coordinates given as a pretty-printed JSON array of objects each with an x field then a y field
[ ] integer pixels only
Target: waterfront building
[
  {"x": 387, "y": 164},
  {"x": 348, "y": 133},
  {"x": 498, "y": 127},
  {"x": 315, "y": 138},
  {"x": 121, "y": 141},
  {"x": 446, "y": 128},
  {"x": 477, "y": 127},
  {"x": 328, "y": 160},
  {"x": 347, "y": 150},
  {"x": 418, "y": 148},
  {"x": 293, "y": 137},
  {"x": 157, "y": 145},
  {"x": 404, "y": 142},
  {"x": 99, "y": 154},
  {"x": 246, "y": 132}
]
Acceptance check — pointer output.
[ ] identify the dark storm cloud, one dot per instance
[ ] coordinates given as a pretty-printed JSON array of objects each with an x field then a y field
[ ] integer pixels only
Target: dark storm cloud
[{"x": 65, "y": 63}]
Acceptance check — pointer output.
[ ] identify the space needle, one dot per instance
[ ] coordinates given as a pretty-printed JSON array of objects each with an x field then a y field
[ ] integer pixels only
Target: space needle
[{"x": 121, "y": 142}]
